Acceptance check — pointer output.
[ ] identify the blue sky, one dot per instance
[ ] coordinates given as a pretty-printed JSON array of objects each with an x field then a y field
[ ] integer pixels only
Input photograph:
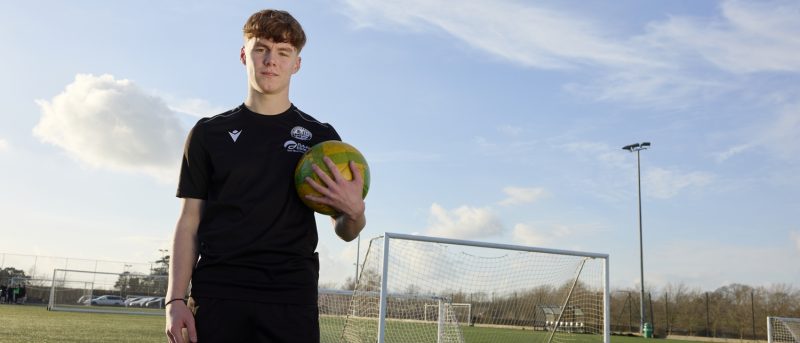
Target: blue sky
[{"x": 500, "y": 121}]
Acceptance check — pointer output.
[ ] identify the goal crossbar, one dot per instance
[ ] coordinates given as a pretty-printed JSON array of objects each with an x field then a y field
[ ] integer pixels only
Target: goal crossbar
[{"x": 571, "y": 312}]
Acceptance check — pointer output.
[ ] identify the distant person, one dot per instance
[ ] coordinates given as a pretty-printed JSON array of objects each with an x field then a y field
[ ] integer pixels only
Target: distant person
[
  {"x": 3, "y": 294},
  {"x": 256, "y": 278},
  {"x": 14, "y": 294},
  {"x": 23, "y": 294}
]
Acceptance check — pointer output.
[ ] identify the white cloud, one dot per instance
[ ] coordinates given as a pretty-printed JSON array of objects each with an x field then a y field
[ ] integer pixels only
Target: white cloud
[
  {"x": 666, "y": 66},
  {"x": 652, "y": 86},
  {"x": 527, "y": 234},
  {"x": 713, "y": 265},
  {"x": 509, "y": 130},
  {"x": 337, "y": 262},
  {"x": 777, "y": 135},
  {"x": 4, "y": 145},
  {"x": 664, "y": 184},
  {"x": 599, "y": 151},
  {"x": 782, "y": 138},
  {"x": 521, "y": 195},
  {"x": 733, "y": 151},
  {"x": 745, "y": 38},
  {"x": 195, "y": 107},
  {"x": 749, "y": 37},
  {"x": 113, "y": 124},
  {"x": 524, "y": 34},
  {"x": 464, "y": 222}
]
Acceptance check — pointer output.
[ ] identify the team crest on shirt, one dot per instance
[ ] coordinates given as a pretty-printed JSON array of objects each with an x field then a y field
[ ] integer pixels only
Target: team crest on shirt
[
  {"x": 292, "y": 146},
  {"x": 301, "y": 133}
]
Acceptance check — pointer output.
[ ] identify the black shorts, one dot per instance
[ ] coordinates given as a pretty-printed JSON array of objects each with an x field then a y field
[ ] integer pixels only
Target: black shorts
[{"x": 225, "y": 321}]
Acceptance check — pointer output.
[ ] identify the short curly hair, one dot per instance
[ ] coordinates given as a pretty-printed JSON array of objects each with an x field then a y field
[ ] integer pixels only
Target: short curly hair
[{"x": 277, "y": 25}]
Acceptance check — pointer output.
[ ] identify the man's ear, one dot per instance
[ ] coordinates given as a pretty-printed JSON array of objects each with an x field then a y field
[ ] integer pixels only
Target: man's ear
[
  {"x": 297, "y": 65},
  {"x": 242, "y": 56}
]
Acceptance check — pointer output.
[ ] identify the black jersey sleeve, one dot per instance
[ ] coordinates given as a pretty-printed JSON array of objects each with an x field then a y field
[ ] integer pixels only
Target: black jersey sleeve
[{"x": 195, "y": 166}]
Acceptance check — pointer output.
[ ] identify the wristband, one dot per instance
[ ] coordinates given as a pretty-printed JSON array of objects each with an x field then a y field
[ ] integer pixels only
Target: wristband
[{"x": 173, "y": 300}]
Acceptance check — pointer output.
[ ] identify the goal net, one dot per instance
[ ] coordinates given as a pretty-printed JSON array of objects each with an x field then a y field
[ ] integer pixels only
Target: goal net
[
  {"x": 462, "y": 312},
  {"x": 334, "y": 306},
  {"x": 514, "y": 293},
  {"x": 783, "y": 330},
  {"x": 89, "y": 291}
]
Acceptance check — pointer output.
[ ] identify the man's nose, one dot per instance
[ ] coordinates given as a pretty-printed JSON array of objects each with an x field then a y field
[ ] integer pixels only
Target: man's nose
[{"x": 269, "y": 58}]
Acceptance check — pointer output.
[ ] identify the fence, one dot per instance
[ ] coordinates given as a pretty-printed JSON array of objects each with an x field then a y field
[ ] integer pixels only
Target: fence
[
  {"x": 41, "y": 267},
  {"x": 733, "y": 312}
]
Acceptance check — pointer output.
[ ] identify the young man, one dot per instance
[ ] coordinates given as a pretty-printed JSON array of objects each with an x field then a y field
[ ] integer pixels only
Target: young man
[{"x": 256, "y": 277}]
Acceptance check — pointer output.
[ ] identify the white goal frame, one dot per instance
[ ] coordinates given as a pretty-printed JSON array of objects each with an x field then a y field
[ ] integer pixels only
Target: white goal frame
[
  {"x": 89, "y": 289},
  {"x": 783, "y": 325},
  {"x": 450, "y": 305},
  {"x": 382, "y": 317}
]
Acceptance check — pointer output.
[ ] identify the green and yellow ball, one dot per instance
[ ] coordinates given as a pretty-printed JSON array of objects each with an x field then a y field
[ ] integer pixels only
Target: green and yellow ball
[{"x": 341, "y": 154}]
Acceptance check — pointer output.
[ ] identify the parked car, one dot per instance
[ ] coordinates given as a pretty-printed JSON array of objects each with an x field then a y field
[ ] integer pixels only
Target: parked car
[
  {"x": 128, "y": 301},
  {"x": 108, "y": 300},
  {"x": 155, "y": 303},
  {"x": 140, "y": 302},
  {"x": 84, "y": 299}
]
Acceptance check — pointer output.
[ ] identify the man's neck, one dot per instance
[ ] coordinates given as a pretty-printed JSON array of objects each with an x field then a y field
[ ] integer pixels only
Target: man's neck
[{"x": 267, "y": 104}]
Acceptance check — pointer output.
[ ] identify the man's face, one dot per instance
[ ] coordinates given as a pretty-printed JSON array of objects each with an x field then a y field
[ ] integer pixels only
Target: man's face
[{"x": 270, "y": 65}]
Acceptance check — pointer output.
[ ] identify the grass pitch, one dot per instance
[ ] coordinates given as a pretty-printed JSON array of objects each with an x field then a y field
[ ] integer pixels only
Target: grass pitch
[{"x": 34, "y": 324}]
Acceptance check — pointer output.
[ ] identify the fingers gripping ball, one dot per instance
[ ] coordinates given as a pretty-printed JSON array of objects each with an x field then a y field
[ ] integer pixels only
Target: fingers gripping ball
[{"x": 341, "y": 154}]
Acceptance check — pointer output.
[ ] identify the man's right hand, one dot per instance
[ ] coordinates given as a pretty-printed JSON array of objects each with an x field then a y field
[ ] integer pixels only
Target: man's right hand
[{"x": 179, "y": 317}]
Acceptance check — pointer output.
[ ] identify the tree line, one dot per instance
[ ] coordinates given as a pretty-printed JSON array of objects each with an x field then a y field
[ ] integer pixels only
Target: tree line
[{"x": 732, "y": 311}]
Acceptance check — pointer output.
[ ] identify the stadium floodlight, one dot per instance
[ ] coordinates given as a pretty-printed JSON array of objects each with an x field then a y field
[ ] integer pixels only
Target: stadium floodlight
[{"x": 636, "y": 147}]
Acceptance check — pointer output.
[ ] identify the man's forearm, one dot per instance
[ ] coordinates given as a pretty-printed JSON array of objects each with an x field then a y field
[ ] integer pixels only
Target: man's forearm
[{"x": 182, "y": 261}]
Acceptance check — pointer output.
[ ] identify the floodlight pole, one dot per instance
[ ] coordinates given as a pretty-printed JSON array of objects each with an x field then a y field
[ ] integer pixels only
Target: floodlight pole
[
  {"x": 358, "y": 256},
  {"x": 637, "y": 147}
]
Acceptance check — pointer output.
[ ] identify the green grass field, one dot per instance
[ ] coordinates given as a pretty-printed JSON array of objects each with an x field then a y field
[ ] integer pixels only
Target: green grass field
[{"x": 34, "y": 324}]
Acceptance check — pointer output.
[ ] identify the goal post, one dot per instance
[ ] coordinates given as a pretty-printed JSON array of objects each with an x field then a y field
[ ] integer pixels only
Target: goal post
[
  {"x": 462, "y": 311},
  {"x": 515, "y": 293},
  {"x": 783, "y": 330}
]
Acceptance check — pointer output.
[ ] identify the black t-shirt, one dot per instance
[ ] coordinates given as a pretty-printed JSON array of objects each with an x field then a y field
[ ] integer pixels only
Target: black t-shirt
[{"x": 257, "y": 240}]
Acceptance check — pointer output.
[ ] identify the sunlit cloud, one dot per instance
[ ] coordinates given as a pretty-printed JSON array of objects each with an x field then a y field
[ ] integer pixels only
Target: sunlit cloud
[
  {"x": 521, "y": 195},
  {"x": 532, "y": 36},
  {"x": 113, "y": 124},
  {"x": 747, "y": 36},
  {"x": 464, "y": 222},
  {"x": 663, "y": 64},
  {"x": 782, "y": 138},
  {"x": 509, "y": 130},
  {"x": 193, "y": 106},
  {"x": 527, "y": 234},
  {"x": 663, "y": 183},
  {"x": 733, "y": 151},
  {"x": 600, "y": 151}
]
